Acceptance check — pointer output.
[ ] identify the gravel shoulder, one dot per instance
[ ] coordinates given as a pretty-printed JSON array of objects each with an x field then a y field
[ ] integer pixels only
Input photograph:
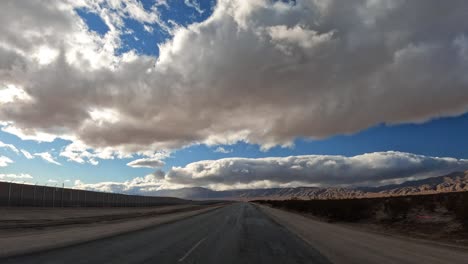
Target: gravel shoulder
[
  {"x": 19, "y": 219},
  {"x": 40, "y": 236},
  {"x": 342, "y": 244}
]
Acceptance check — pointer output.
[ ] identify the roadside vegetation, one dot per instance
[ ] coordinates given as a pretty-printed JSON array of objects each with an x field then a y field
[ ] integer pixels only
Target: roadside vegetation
[{"x": 442, "y": 215}]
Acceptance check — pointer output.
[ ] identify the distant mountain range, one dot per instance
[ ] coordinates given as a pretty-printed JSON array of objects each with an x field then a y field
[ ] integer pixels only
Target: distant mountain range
[{"x": 453, "y": 182}]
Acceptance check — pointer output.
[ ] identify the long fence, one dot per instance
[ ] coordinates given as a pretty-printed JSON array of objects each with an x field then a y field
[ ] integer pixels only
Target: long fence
[{"x": 15, "y": 194}]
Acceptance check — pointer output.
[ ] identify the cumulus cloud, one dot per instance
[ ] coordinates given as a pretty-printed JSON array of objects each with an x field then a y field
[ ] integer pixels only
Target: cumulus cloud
[
  {"x": 194, "y": 4},
  {"x": 259, "y": 71},
  {"x": 27, "y": 154},
  {"x": 153, "y": 160},
  {"x": 47, "y": 157},
  {"x": 81, "y": 153},
  {"x": 9, "y": 146},
  {"x": 15, "y": 176},
  {"x": 146, "y": 163},
  {"x": 139, "y": 185},
  {"x": 4, "y": 161},
  {"x": 371, "y": 169},
  {"x": 367, "y": 169},
  {"x": 162, "y": 3},
  {"x": 222, "y": 150}
]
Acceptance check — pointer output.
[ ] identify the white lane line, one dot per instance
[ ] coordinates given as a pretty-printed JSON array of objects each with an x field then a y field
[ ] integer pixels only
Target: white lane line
[{"x": 192, "y": 249}]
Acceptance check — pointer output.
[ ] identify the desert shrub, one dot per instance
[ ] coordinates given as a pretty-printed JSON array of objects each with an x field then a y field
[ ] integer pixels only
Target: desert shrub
[
  {"x": 461, "y": 210},
  {"x": 450, "y": 201},
  {"x": 336, "y": 210},
  {"x": 429, "y": 205},
  {"x": 397, "y": 208}
]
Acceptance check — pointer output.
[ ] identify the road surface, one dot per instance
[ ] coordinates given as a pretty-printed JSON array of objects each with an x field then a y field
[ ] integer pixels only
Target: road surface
[{"x": 238, "y": 233}]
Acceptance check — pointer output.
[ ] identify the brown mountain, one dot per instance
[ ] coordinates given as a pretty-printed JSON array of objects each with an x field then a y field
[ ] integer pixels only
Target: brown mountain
[{"x": 453, "y": 182}]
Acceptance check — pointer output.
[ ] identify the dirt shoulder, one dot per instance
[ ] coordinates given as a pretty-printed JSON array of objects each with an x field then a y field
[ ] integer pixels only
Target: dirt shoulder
[
  {"x": 439, "y": 217},
  {"x": 19, "y": 219},
  {"x": 60, "y": 231},
  {"x": 343, "y": 244}
]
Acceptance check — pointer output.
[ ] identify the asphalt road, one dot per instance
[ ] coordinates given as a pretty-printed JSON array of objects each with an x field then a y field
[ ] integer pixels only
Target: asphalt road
[{"x": 238, "y": 233}]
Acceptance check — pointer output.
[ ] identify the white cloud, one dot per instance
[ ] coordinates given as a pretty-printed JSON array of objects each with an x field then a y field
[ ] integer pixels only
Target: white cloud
[
  {"x": 287, "y": 38},
  {"x": 46, "y": 55},
  {"x": 15, "y": 176},
  {"x": 369, "y": 169},
  {"x": 79, "y": 152},
  {"x": 265, "y": 72},
  {"x": 11, "y": 93},
  {"x": 162, "y": 3},
  {"x": 139, "y": 185},
  {"x": 9, "y": 146},
  {"x": 4, "y": 161},
  {"x": 148, "y": 29},
  {"x": 47, "y": 157},
  {"x": 135, "y": 10},
  {"x": 146, "y": 163},
  {"x": 154, "y": 160},
  {"x": 52, "y": 181},
  {"x": 222, "y": 150},
  {"x": 27, "y": 154},
  {"x": 194, "y": 4},
  {"x": 113, "y": 12},
  {"x": 28, "y": 134}
]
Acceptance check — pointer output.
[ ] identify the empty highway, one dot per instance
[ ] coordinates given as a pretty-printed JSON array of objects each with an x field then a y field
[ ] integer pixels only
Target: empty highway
[{"x": 238, "y": 233}]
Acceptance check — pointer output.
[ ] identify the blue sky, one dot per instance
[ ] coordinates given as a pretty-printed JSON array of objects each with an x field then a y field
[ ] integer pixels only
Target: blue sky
[
  {"x": 169, "y": 84},
  {"x": 139, "y": 39},
  {"x": 445, "y": 137}
]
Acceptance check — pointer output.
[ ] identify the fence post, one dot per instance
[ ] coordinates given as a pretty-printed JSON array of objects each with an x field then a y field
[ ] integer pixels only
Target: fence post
[
  {"x": 53, "y": 196},
  {"x": 61, "y": 196},
  {"x": 21, "y": 194},
  {"x": 43, "y": 195},
  {"x": 9, "y": 194},
  {"x": 34, "y": 194}
]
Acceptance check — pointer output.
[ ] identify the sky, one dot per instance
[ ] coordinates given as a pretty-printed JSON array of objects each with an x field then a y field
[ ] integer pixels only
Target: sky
[{"x": 137, "y": 96}]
